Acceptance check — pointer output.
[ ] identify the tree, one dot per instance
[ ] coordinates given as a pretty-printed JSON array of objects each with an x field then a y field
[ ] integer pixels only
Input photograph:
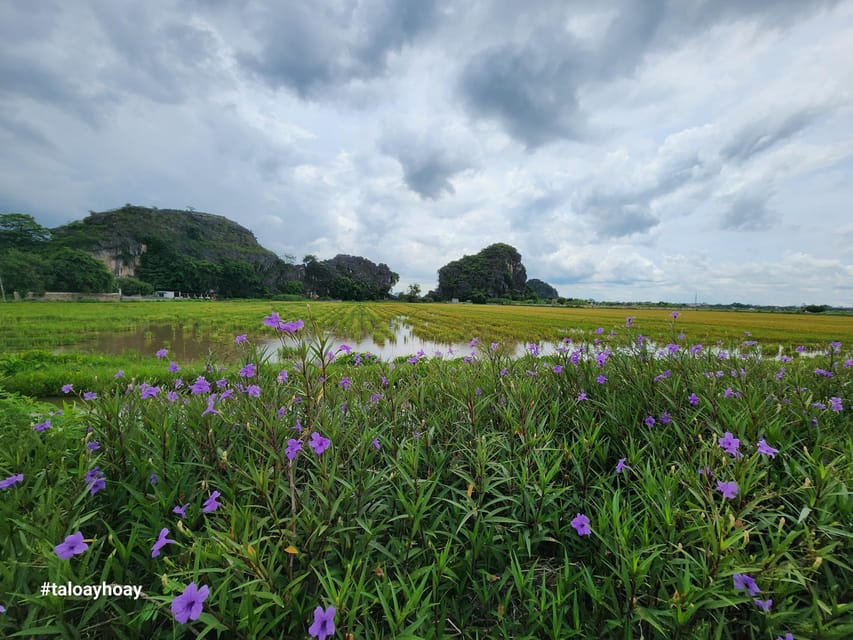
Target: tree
[
  {"x": 134, "y": 287},
  {"x": 21, "y": 231},
  {"x": 23, "y": 271},
  {"x": 413, "y": 293},
  {"x": 76, "y": 270}
]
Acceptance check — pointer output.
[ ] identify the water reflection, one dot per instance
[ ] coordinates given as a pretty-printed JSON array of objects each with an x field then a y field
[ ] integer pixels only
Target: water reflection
[{"x": 188, "y": 343}]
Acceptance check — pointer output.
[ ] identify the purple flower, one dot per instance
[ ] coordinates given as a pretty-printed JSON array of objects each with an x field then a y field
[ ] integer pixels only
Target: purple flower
[
  {"x": 504, "y": 372},
  {"x": 67, "y": 388},
  {"x": 201, "y": 385},
  {"x": 93, "y": 445},
  {"x": 558, "y": 368},
  {"x": 241, "y": 338},
  {"x": 181, "y": 510},
  {"x": 188, "y": 605},
  {"x": 730, "y": 444},
  {"x": 90, "y": 395},
  {"x": 319, "y": 443},
  {"x": 788, "y": 636},
  {"x": 629, "y": 321},
  {"x": 2, "y": 609},
  {"x": 72, "y": 546},
  {"x": 345, "y": 383},
  {"x": 728, "y": 489},
  {"x": 649, "y": 421},
  {"x": 601, "y": 379},
  {"x": 248, "y": 371},
  {"x": 582, "y": 396},
  {"x": 162, "y": 541},
  {"x": 147, "y": 392},
  {"x": 253, "y": 390},
  {"x": 474, "y": 342},
  {"x": 95, "y": 480},
  {"x": 665, "y": 418},
  {"x": 211, "y": 504},
  {"x": 743, "y": 581},
  {"x": 172, "y": 396},
  {"x": 173, "y": 367},
  {"x": 675, "y": 314},
  {"x": 766, "y": 449},
  {"x": 494, "y": 346},
  {"x": 693, "y": 399},
  {"x": 376, "y": 444},
  {"x": 162, "y": 353},
  {"x": 153, "y": 478},
  {"x": 324, "y": 623},
  {"x": 119, "y": 374},
  {"x": 836, "y": 404},
  {"x": 764, "y": 605},
  {"x": 581, "y": 524},
  {"x": 376, "y": 397},
  {"x": 291, "y": 327},
  {"x": 345, "y": 348},
  {"x": 11, "y": 481},
  {"x": 293, "y": 448},
  {"x": 621, "y": 466},
  {"x": 42, "y": 426}
]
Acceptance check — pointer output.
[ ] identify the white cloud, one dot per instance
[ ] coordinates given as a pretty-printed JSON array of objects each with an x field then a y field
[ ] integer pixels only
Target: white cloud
[{"x": 626, "y": 151}]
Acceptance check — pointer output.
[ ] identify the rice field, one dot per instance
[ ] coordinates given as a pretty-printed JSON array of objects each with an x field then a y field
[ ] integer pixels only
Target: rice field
[{"x": 53, "y": 324}]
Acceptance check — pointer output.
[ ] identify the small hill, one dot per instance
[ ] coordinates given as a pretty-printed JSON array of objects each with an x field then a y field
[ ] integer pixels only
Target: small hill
[
  {"x": 121, "y": 237},
  {"x": 542, "y": 289},
  {"x": 494, "y": 272}
]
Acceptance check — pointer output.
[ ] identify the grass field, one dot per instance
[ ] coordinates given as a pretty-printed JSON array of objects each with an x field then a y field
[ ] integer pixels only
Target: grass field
[
  {"x": 48, "y": 325},
  {"x": 611, "y": 489}
]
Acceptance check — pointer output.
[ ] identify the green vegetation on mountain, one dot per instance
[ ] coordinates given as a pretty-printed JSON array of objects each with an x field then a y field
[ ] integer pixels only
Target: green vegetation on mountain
[
  {"x": 142, "y": 249},
  {"x": 494, "y": 272},
  {"x": 542, "y": 289}
]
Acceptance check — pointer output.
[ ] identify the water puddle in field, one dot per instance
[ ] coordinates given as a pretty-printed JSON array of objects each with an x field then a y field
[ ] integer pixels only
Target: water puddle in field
[{"x": 189, "y": 343}]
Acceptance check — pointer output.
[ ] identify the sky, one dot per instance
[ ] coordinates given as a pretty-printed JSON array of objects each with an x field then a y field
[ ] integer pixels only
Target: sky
[{"x": 631, "y": 150}]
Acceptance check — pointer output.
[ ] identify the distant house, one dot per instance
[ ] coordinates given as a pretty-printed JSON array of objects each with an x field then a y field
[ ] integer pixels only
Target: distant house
[{"x": 164, "y": 294}]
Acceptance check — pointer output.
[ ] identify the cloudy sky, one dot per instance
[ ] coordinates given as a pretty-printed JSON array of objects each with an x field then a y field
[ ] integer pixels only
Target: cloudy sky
[{"x": 630, "y": 150}]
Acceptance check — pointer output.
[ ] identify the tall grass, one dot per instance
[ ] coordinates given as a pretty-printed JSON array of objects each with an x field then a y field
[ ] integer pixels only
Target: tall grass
[{"x": 448, "y": 502}]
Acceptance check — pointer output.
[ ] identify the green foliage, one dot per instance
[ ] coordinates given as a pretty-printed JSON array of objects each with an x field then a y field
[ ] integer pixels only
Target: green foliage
[
  {"x": 542, "y": 289},
  {"x": 134, "y": 287},
  {"x": 77, "y": 270},
  {"x": 21, "y": 231},
  {"x": 494, "y": 272},
  {"x": 24, "y": 271},
  {"x": 459, "y": 524}
]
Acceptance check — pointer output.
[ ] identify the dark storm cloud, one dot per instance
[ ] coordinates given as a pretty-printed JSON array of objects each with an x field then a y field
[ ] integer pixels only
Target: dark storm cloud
[
  {"x": 533, "y": 89},
  {"x": 25, "y": 78},
  {"x": 160, "y": 56},
  {"x": 307, "y": 47},
  {"x": 429, "y": 160},
  {"x": 610, "y": 218},
  {"x": 747, "y": 211},
  {"x": 529, "y": 89},
  {"x": 23, "y": 131}
]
